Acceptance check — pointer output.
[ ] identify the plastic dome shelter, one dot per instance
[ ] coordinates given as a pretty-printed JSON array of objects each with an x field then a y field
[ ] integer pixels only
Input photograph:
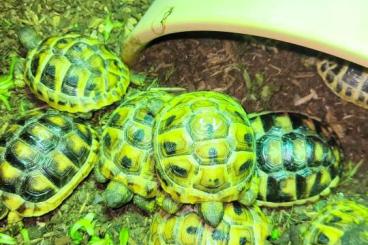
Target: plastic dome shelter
[{"x": 339, "y": 28}]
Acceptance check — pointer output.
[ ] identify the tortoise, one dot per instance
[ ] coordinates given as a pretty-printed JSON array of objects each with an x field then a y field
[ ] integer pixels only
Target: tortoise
[
  {"x": 346, "y": 80},
  {"x": 299, "y": 158},
  {"x": 205, "y": 153},
  {"x": 43, "y": 157},
  {"x": 126, "y": 152},
  {"x": 339, "y": 222},
  {"x": 73, "y": 73},
  {"x": 240, "y": 225}
]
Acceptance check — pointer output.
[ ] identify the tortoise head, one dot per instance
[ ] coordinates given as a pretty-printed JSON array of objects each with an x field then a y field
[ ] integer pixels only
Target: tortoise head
[{"x": 28, "y": 37}]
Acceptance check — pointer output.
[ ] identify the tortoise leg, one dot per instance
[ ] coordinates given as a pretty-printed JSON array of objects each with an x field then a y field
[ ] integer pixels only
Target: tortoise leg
[
  {"x": 149, "y": 205},
  {"x": 167, "y": 203},
  {"x": 117, "y": 194},
  {"x": 248, "y": 197},
  {"x": 99, "y": 177},
  {"x": 212, "y": 212}
]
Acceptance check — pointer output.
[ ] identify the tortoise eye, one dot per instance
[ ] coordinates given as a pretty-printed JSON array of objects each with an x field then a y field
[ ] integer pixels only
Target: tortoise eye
[{"x": 179, "y": 171}]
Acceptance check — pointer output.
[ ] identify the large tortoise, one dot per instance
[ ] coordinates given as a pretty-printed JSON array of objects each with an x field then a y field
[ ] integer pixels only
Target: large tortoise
[
  {"x": 126, "y": 152},
  {"x": 299, "y": 158},
  {"x": 240, "y": 225},
  {"x": 342, "y": 222},
  {"x": 204, "y": 152},
  {"x": 43, "y": 157},
  {"x": 348, "y": 81},
  {"x": 73, "y": 73}
]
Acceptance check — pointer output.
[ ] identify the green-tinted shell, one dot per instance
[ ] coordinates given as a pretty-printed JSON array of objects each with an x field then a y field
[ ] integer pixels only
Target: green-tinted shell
[
  {"x": 126, "y": 147},
  {"x": 240, "y": 226},
  {"x": 298, "y": 158},
  {"x": 204, "y": 148},
  {"x": 75, "y": 73},
  {"x": 43, "y": 157},
  {"x": 348, "y": 81},
  {"x": 341, "y": 222}
]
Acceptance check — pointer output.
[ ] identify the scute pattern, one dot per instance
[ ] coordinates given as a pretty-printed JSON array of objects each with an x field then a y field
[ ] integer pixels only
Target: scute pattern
[
  {"x": 126, "y": 150},
  {"x": 75, "y": 73},
  {"x": 298, "y": 158},
  {"x": 340, "y": 222},
  {"x": 348, "y": 81},
  {"x": 42, "y": 162},
  {"x": 240, "y": 225},
  {"x": 204, "y": 148}
]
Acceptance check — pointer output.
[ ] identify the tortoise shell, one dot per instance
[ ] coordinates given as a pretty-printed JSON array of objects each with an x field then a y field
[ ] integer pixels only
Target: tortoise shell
[
  {"x": 348, "y": 81},
  {"x": 126, "y": 148},
  {"x": 204, "y": 148},
  {"x": 75, "y": 73},
  {"x": 43, "y": 157},
  {"x": 240, "y": 225},
  {"x": 298, "y": 158},
  {"x": 340, "y": 222}
]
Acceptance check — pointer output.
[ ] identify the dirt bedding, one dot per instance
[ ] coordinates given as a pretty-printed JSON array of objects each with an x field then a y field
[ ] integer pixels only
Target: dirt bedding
[{"x": 261, "y": 73}]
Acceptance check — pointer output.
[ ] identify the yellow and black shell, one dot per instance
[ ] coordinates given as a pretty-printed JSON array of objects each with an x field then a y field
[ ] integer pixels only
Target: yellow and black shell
[
  {"x": 126, "y": 149},
  {"x": 298, "y": 158},
  {"x": 240, "y": 225},
  {"x": 204, "y": 148},
  {"x": 43, "y": 157},
  {"x": 75, "y": 73},
  {"x": 348, "y": 81},
  {"x": 341, "y": 222}
]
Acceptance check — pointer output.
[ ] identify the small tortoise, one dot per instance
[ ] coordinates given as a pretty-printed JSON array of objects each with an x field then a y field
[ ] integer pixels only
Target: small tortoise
[
  {"x": 43, "y": 157},
  {"x": 341, "y": 222},
  {"x": 73, "y": 73},
  {"x": 240, "y": 225},
  {"x": 348, "y": 81},
  {"x": 298, "y": 158},
  {"x": 204, "y": 152},
  {"x": 126, "y": 152}
]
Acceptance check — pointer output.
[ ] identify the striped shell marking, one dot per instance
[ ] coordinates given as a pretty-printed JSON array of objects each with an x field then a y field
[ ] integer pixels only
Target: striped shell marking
[
  {"x": 42, "y": 159},
  {"x": 204, "y": 148},
  {"x": 75, "y": 73},
  {"x": 240, "y": 226},
  {"x": 348, "y": 81},
  {"x": 340, "y": 222},
  {"x": 298, "y": 158},
  {"x": 126, "y": 148}
]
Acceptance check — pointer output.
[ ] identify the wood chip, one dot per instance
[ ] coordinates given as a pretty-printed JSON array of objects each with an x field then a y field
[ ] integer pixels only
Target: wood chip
[
  {"x": 334, "y": 123},
  {"x": 304, "y": 75},
  {"x": 312, "y": 95}
]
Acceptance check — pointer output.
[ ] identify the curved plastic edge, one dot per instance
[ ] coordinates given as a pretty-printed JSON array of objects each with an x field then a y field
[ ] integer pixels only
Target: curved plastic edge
[{"x": 334, "y": 27}]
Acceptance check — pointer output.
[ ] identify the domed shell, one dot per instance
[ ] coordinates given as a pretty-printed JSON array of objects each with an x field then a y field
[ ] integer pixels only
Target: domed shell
[
  {"x": 75, "y": 73},
  {"x": 348, "y": 81},
  {"x": 340, "y": 222},
  {"x": 126, "y": 148},
  {"x": 298, "y": 158},
  {"x": 43, "y": 157},
  {"x": 204, "y": 148},
  {"x": 239, "y": 225}
]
